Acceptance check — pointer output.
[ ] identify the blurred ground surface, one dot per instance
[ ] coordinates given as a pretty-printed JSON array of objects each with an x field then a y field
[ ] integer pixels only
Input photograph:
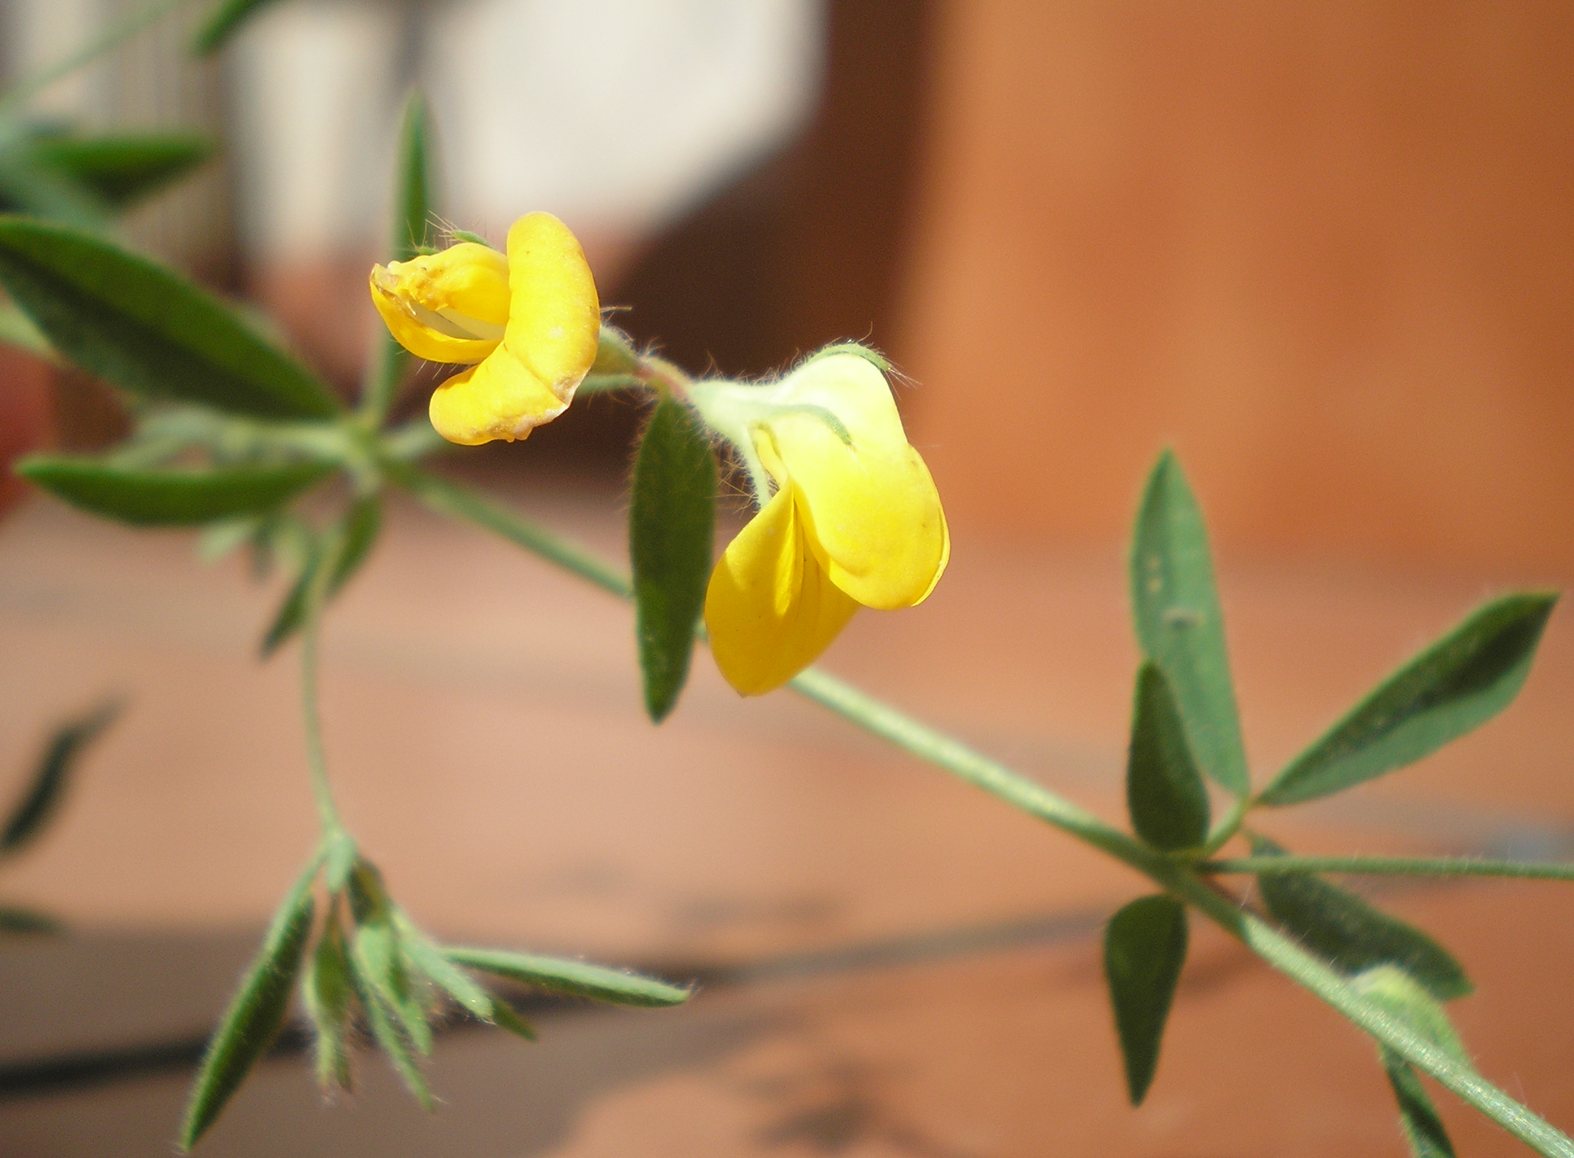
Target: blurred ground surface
[{"x": 913, "y": 967}]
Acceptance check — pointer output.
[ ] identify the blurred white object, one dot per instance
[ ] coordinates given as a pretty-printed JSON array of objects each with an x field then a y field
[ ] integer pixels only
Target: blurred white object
[{"x": 615, "y": 114}]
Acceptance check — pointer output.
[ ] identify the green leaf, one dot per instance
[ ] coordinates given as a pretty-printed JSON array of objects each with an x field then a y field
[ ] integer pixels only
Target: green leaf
[
  {"x": 391, "y": 1040},
  {"x": 18, "y": 920},
  {"x": 255, "y": 1014},
  {"x": 168, "y": 497},
  {"x": 672, "y": 517},
  {"x": 378, "y": 957},
  {"x": 504, "y": 1016},
  {"x": 29, "y": 185},
  {"x": 1352, "y": 935},
  {"x": 411, "y": 207},
  {"x": 1180, "y": 626},
  {"x": 136, "y": 324},
  {"x": 43, "y": 795},
  {"x": 121, "y": 169},
  {"x": 348, "y": 544},
  {"x": 1453, "y": 686},
  {"x": 1164, "y": 791},
  {"x": 1394, "y": 990},
  {"x": 223, "y": 22},
  {"x": 329, "y": 997},
  {"x": 17, "y": 329},
  {"x": 574, "y": 978},
  {"x": 1144, "y": 949},
  {"x": 1418, "y": 1118},
  {"x": 422, "y": 956}
]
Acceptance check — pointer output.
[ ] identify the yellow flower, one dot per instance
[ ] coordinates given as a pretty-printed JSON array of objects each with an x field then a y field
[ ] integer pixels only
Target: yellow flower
[
  {"x": 855, "y": 521},
  {"x": 526, "y": 323}
]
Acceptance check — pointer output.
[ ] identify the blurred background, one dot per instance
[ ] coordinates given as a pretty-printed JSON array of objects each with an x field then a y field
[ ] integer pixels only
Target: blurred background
[{"x": 1324, "y": 251}]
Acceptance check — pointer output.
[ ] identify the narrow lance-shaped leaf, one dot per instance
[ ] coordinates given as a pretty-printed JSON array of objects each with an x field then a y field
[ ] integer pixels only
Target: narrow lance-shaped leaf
[
  {"x": 168, "y": 498},
  {"x": 1453, "y": 686},
  {"x": 411, "y": 207},
  {"x": 348, "y": 544},
  {"x": 574, "y": 978},
  {"x": 224, "y": 20},
  {"x": 378, "y": 959},
  {"x": 329, "y": 997},
  {"x": 44, "y": 792},
  {"x": 122, "y": 169},
  {"x": 142, "y": 327},
  {"x": 424, "y": 957},
  {"x": 390, "y": 1039},
  {"x": 1179, "y": 623},
  {"x": 1352, "y": 935},
  {"x": 18, "y": 330},
  {"x": 255, "y": 1014},
  {"x": 1164, "y": 791},
  {"x": 672, "y": 515},
  {"x": 1396, "y": 992},
  {"x": 1144, "y": 950}
]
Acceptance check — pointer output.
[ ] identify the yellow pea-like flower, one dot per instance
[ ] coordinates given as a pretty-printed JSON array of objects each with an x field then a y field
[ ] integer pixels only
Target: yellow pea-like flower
[
  {"x": 855, "y": 521},
  {"x": 526, "y": 323}
]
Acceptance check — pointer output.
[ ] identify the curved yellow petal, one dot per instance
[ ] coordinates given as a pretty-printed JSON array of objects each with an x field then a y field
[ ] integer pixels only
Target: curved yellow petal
[
  {"x": 499, "y": 399},
  {"x": 870, "y": 506},
  {"x": 554, "y": 315},
  {"x": 770, "y": 608},
  {"x": 449, "y": 306}
]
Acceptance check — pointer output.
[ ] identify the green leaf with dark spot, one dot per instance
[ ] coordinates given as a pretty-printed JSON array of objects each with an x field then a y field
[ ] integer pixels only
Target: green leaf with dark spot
[
  {"x": 168, "y": 497},
  {"x": 1352, "y": 935},
  {"x": 1144, "y": 950},
  {"x": 672, "y": 517},
  {"x": 329, "y": 997},
  {"x": 43, "y": 794},
  {"x": 1179, "y": 623},
  {"x": 573, "y": 978},
  {"x": 347, "y": 544},
  {"x": 255, "y": 1014},
  {"x": 1164, "y": 791},
  {"x": 224, "y": 20},
  {"x": 140, "y": 326},
  {"x": 1455, "y": 685}
]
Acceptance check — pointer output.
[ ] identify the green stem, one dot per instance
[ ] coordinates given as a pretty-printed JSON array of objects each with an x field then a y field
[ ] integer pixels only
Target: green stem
[
  {"x": 321, "y": 574},
  {"x": 1433, "y": 866},
  {"x": 84, "y": 54},
  {"x": 991, "y": 776}
]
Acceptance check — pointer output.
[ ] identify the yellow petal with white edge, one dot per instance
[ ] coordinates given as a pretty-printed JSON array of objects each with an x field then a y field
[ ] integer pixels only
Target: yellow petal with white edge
[
  {"x": 870, "y": 505},
  {"x": 770, "y": 608},
  {"x": 499, "y": 399},
  {"x": 449, "y": 306},
  {"x": 554, "y": 316}
]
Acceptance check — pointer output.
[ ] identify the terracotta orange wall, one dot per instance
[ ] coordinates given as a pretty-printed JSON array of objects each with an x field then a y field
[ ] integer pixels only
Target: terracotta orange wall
[{"x": 1326, "y": 251}]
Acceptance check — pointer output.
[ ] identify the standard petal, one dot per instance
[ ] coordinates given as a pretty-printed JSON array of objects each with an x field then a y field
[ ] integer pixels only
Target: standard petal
[
  {"x": 870, "y": 505},
  {"x": 770, "y": 608},
  {"x": 554, "y": 316},
  {"x": 499, "y": 399}
]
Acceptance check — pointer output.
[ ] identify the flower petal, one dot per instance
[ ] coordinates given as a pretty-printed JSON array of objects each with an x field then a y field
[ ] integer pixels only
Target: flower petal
[
  {"x": 449, "y": 306},
  {"x": 770, "y": 608},
  {"x": 554, "y": 316},
  {"x": 869, "y": 502},
  {"x": 499, "y": 399}
]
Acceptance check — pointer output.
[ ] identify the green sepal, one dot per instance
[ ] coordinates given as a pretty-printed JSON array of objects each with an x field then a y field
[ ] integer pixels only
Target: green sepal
[
  {"x": 142, "y": 327},
  {"x": 345, "y": 548},
  {"x": 1451, "y": 687},
  {"x": 329, "y": 996},
  {"x": 43, "y": 794},
  {"x": 569, "y": 977},
  {"x": 1165, "y": 795},
  {"x": 1144, "y": 950},
  {"x": 868, "y": 353},
  {"x": 255, "y": 1014},
  {"x": 224, "y": 20},
  {"x": 168, "y": 498},
  {"x": 1179, "y": 623},
  {"x": 672, "y": 513},
  {"x": 1350, "y": 934}
]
